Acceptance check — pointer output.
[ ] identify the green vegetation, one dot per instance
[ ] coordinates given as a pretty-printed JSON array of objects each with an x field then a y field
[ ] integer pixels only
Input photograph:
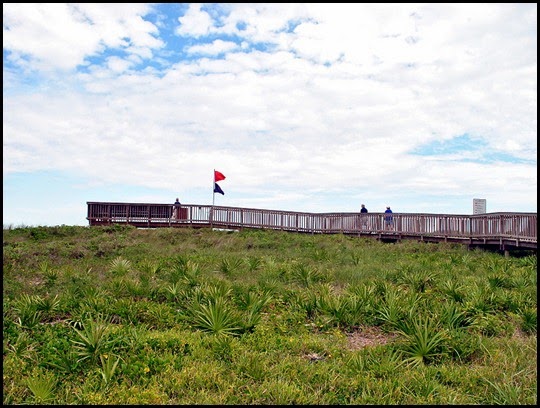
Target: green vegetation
[{"x": 117, "y": 315}]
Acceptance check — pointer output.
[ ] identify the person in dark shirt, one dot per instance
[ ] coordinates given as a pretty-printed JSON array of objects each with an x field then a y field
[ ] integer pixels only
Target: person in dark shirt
[
  {"x": 363, "y": 210},
  {"x": 176, "y": 209},
  {"x": 388, "y": 218}
]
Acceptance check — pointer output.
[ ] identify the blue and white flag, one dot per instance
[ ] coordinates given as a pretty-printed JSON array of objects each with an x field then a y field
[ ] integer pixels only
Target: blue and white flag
[{"x": 217, "y": 189}]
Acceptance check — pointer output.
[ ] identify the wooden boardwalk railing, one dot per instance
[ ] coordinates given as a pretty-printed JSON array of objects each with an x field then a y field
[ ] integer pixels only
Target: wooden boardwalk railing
[{"x": 504, "y": 230}]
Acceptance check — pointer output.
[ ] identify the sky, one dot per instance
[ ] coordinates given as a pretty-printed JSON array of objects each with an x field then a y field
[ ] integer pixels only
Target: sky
[{"x": 317, "y": 108}]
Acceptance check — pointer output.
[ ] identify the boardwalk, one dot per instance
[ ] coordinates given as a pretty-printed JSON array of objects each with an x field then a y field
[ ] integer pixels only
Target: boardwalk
[{"x": 505, "y": 231}]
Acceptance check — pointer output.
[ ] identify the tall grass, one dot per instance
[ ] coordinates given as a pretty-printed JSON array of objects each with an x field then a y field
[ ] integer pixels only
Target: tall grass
[{"x": 115, "y": 315}]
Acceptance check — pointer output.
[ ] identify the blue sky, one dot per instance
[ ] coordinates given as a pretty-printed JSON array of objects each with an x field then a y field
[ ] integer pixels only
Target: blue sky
[{"x": 303, "y": 107}]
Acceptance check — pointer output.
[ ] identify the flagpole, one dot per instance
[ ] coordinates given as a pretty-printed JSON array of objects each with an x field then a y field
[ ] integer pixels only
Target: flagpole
[
  {"x": 213, "y": 187},
  {"x": 213, "y": 197}
]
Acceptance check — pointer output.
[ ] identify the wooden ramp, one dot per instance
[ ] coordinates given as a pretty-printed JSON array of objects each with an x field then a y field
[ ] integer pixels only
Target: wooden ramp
[{"x": 504, "y": 231}]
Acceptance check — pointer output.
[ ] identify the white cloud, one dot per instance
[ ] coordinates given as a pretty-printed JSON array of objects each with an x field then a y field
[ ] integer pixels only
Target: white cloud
[
  {"x": 215, "y": 48},
  {"x": 317, "y": 101},
  {"x": 62, "y": 36},
  {"x": 195, "y": 22}
]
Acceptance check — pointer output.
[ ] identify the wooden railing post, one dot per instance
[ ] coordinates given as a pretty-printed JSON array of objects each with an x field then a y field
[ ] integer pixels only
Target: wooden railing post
[{"x": 506, "y": 228}]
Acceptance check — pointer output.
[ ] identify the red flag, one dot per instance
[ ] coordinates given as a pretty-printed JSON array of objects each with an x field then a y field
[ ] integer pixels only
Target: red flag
[{"x": 218, "y": 176}]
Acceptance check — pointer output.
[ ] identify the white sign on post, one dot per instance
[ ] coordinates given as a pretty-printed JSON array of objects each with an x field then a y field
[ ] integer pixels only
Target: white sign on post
[{"x": 479, "y": 205}]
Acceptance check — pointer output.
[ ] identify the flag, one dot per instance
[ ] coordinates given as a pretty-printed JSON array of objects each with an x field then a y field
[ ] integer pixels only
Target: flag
[
  {"x": 218, "y": 176},
  {"x": 217, "y": 189}
]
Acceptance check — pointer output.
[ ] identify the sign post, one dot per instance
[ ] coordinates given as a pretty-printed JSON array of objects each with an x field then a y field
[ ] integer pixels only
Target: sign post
[{"x": 479, "y": 205}]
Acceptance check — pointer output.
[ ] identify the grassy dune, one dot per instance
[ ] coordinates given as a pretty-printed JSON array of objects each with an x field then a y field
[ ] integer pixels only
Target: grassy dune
[{"x": 117, "y": 315}]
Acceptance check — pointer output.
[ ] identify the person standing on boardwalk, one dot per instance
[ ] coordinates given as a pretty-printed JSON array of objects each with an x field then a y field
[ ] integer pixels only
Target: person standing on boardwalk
[
  {"x": 363, "y": 210},
  {"x": 176, "y": 209},
  {"x": 388, "y": 218}
]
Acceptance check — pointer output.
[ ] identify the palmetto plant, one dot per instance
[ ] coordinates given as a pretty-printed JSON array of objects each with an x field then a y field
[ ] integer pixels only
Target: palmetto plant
[
  {"x": 524, "y": 279},
  {"x": 481, "y": 300},
  {"x": 92, "y": 339},
  {"x": 42, "y": 388},
  {"x": 498, "y": 267},
  {"x": 65, "y": 361},
  {"x": 150, "y": 268},
  {"x": 216, "y": 317},
  {"x": 305, "y": 275},
  {"x": 185, "y": 271},
  {"x": 253, "y": 303},
  {"x": 420, "y": 280},
  {"x": 27, "y": 309},
  {"x": 173, "y": 291},
  {"x": 454, "y": 289},
  {"x": 26, "y": 303},
  {"x": 221, "y": 347},
  {"x": 50, "y": 274},
  {"x": 306, "y": 301},
  {"x": 118, "y": 287},
  {"x": 194, "y": 295},
  {"x": 453, "y": 317},
  {"x": 144, "y": 279},
  {"x": 528, "y": 320},
  {"x": 271, "y": 263},
  {"x": 364, "y": 291},
  {"x": 425, "y": 340},
  {"x": 390, "y": 311},
  {"x": 178, "y": 269},
  {"x": 517, "y": 301},
  {"x": 418, "y": 276},
  {"x": 529, "y": 262},
  {"x": 96, "y": 299},
  {"x": 337, "y": 308},
  {"x": 499, "y": 281},
  {"x": 320, "y": 255},
  {"x": 229, "y": 266},
  {"x": 22, "y": 347},
  {"x": 47, "y": 304},
  {"x": 252, "y": 300},
  {"x": 120, "y": 266},
  {"x": 488, "y": 324},
  {"x": 218, "y": 291},
  {"x": 192, "y": 273},
  {"x": 253, "y": 263}
]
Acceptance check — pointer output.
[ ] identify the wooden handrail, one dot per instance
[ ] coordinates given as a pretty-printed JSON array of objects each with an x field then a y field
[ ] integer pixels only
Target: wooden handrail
[{"x": 511, "y": 228}]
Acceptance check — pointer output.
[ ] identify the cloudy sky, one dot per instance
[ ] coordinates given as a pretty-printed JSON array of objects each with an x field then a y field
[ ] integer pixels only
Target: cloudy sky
[{"x": 303, "y": 107}]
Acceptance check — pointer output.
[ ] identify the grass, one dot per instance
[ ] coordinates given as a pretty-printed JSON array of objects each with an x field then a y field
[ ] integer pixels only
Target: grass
[{"x": 117, "y": 315}]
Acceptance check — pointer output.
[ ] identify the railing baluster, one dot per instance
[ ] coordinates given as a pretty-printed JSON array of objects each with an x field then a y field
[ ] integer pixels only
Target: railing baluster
[{"x": 520, "y": 228}]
